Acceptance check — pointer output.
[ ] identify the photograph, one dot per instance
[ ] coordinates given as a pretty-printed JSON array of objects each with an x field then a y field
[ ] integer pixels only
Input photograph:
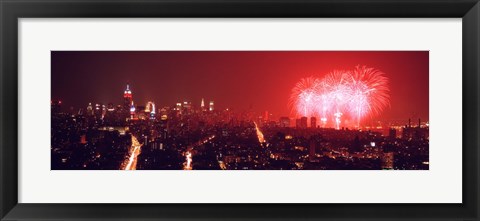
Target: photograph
[{"x": 239, "y": 110}]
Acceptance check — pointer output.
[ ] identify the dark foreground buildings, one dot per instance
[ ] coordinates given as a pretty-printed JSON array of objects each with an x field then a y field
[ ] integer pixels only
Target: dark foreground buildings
[{"x": 104, "y": 137}]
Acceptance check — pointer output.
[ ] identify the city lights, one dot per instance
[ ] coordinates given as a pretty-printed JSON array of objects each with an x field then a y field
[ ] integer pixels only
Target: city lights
[
  {"x": 131, "y": 163},
  {"x": 169, "y": 138},
  {"x": 239, "y": 110}
]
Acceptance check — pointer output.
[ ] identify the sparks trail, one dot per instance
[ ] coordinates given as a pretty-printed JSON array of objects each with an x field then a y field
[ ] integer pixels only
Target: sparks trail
[
  {"x": 131, "y": 161},
  {"x": 189, "y": 152}
]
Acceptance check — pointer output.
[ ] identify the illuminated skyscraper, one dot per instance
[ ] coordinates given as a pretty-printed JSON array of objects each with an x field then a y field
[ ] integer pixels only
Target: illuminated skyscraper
[
  {"x": 104, "y": 110},
  {"x": 98, "y": 110},
  {"x": 128, "y": 97},
  {"x": 132, "y": 111},
  {"x": 178, "y": 107},
  {"x": 89, "y": 109},
  {"x": 150, "y": 109},
  {"x": 187, "y": 105},
  {"x": 212, "y": 106},
  {"x": 202, "y": 105},
  {"x": 127, "y": 102}
]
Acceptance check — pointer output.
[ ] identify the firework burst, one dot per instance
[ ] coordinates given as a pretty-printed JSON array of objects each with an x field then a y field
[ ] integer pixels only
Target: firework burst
[
  {"x": 369, "y": 92},
  {"x": 352, "y": 94},
  {"x": 304, "y": 96}
]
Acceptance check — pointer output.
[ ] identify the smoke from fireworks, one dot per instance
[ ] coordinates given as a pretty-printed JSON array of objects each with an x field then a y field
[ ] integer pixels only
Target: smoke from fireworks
[{"x": 352, "y": 94}]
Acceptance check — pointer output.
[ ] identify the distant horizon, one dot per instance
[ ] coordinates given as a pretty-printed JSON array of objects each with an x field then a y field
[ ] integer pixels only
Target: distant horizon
[
  {"x": 414, "y": 120},
  {"x": 346, "y": 110},
  {"x": 258, "y": 81}
]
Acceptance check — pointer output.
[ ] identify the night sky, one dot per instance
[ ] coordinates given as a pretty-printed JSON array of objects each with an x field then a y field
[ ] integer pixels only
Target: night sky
[{"x": 240, "y": 80}]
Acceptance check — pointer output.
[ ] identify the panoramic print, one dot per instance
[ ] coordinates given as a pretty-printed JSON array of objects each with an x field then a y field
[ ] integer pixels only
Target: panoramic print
[{"x": 239, "y": 110}]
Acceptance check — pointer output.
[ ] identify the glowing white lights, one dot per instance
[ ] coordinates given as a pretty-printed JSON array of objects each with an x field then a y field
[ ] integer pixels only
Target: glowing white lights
[
  {"x": 260, "y": 136},
  {"x": 353, "y": 94},
  {"x": 188, "y": 161},
  {"x": 131, "y": 163}
]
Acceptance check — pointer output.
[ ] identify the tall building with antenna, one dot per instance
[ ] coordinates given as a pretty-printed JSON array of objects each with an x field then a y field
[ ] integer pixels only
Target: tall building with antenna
[
  {"x": 202, "y": 105},
  {"x": 127, "y": 97},
  {"x": 127, "y": 102}
]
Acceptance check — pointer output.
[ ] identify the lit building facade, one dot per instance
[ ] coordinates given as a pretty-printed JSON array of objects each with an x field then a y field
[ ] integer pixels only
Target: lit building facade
[{"x": 211, "y": 106}]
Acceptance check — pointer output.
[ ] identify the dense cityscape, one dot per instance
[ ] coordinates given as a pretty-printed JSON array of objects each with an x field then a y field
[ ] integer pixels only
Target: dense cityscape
[{"x": 196, "y": 135}]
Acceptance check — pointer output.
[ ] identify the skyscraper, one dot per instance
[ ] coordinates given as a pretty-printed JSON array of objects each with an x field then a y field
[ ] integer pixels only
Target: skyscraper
[
  {"x": 127, "y": 102},
  {"x": 150, "y": 109},
  {"x": 127, "y": 97},
  {"x": 202, "y": 105},
  {"x": 212, "y": 106},
  {"x": 132, "y": 111},
  {"x": 313, "y": 122},
  {"x": 90, "y": 109},
  {"x": 303, "y": 122}
]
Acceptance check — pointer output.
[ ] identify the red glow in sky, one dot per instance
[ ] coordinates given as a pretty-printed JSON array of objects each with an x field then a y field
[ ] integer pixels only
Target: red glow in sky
[
  {"x": 353, "y": 94},
  {"x": 240, "y": 80}
]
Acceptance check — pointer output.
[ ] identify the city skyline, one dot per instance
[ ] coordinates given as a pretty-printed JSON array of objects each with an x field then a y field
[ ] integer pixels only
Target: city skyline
[
  {"x": 217, "y": 111},
  {"x": 259, "y": 85}
]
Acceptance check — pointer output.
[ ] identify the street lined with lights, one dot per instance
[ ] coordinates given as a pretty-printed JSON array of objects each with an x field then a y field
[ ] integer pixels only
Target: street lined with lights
[
  {"x": 131, "y": 163},
  {"x": 188, "y": 154}
]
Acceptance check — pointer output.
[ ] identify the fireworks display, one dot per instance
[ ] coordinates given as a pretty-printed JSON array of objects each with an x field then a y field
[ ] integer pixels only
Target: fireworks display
[
  {"x": 342, "y": 95},
  {"x": 239, "y": 110}
]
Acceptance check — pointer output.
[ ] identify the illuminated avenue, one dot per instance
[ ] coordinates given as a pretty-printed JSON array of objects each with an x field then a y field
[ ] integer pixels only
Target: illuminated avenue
[{"x": 197, "y": 136}]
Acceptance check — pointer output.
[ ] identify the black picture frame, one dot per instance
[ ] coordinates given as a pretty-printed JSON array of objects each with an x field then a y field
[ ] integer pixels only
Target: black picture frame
[{"x": 12, "y": 10}]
